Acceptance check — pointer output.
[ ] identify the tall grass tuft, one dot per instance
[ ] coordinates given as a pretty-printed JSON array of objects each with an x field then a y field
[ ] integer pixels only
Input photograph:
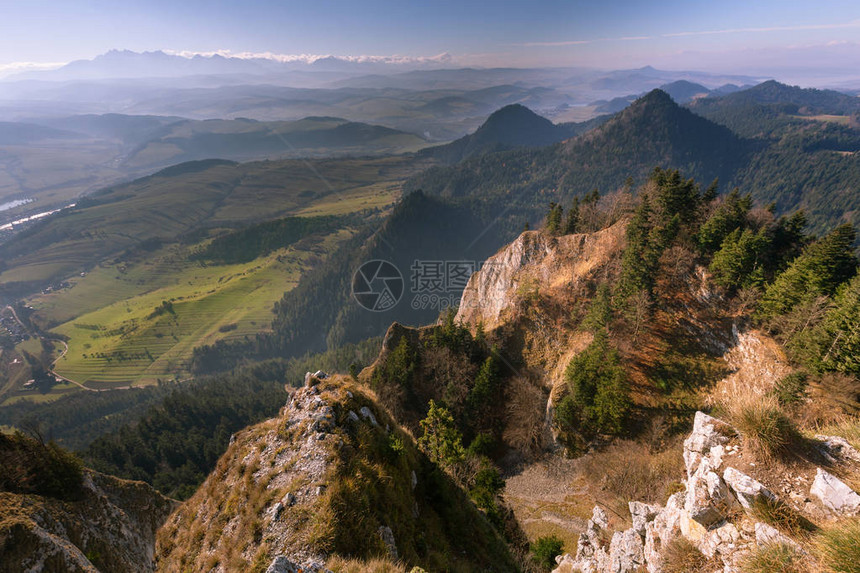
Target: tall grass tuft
[
  {"x": 774, "y": 558},
  {"x": 838, "y": 546},
  {"x": 782, "y": 516},
  {"x": 765, "y": 428},
  {"x": 681, "y": 556},
  {"x": 343, "y": 565}
]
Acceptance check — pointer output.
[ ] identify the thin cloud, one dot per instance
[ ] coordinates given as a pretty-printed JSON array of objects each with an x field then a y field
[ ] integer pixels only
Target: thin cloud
[
  {"x": 27, "y": 66},
  {"x": 801, "y": 27},
  {"x": 311, "y": 58},
  {"x": 581, "y": 42},
  {"x": 555, "y": 44},
  {"x": 852, "y": 24}
]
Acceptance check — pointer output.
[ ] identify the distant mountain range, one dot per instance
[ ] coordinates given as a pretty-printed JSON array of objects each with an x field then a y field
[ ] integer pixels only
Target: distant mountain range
[
  {"x": 244, "y": 139},
  {"x": 127, "y": 63},
  {"x": 682, "y": 91}
]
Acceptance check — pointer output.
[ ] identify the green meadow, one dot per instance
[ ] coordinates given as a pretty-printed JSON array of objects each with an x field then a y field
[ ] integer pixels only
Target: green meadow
[
  {"x": 142, "y": 331},
  {"x": 196, "y": 198},
  {"x": 135, "y": 302}
]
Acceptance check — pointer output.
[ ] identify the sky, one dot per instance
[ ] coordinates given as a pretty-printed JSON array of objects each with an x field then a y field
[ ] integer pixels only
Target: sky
[{"x": 724, "y": 35}]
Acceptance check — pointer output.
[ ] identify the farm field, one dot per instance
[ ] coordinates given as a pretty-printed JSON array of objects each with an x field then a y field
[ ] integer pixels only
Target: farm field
[
  {"x": 145, "y": 336},
  {"x": 197, "y": 199},
  {"x": 126, "y": 291}
]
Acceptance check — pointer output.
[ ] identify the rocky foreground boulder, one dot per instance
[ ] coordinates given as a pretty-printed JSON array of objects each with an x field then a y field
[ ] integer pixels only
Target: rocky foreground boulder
[
  {"x": 718, "y": 511},
  {"x": 111, "y": 526},
  {"x": 332, "y": 476}
]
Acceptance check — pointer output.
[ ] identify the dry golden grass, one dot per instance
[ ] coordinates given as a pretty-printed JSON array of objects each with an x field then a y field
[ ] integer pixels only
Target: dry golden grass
[
  {"x": 765, "y": 428},
  {"x": 681, "y": 556},
  {"x": 343, "y": 565},
  {"x": 838, "y": 546},
  {"x": 783, "y": 517},
  {"x": 775, "y": 558},
  {"x": 848, "y": 428},
  {"x": 633, "y": 471}
]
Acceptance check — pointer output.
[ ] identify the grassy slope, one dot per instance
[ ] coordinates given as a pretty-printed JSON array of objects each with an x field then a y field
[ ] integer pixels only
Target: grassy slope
[
  {"x": 168, "y": 205},
  {"x": 113, "y": 339},
  {"x": 243, "y": 140},
  {"x": 205, "y": 300}
]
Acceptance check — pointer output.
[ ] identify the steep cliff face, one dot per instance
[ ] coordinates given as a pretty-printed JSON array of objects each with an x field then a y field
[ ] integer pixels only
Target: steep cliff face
[
  {"x": 110, "y": 528},
  {"x": 535, "y": 260},
  {"x": 525, "y": 294},
  {"x": 333, "y": 475}
]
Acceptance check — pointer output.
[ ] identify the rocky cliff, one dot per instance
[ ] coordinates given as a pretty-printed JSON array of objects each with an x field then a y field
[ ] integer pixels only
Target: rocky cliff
[
  {"x": 332, "y": 476},
  {"x": 110, "y": 527},
  {"x": 535, "y": 260},
  {"x": 724, "y": 512}
]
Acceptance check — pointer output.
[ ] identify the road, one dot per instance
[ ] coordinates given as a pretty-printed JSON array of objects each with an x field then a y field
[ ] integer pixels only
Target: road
[{"x": 54, "y": 363}]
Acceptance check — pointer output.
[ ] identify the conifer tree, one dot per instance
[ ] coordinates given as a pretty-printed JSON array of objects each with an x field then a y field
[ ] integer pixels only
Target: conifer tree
[{"x": 571, "y": 222}]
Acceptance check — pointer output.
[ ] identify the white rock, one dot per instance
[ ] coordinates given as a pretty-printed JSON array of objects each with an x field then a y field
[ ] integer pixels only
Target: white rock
[
  {"x": 366, "y": 413},
  {"x": 722, "y": 540},
  {"x": 768, "y": 535},
  {"x": 626, "y": 552},
  {"x": 642, "y": 513},
  {"x": 281, "y": 564},
  {"x": 835, "y": 494},
  {"x": 745, "y": 488},
  {"x": 660, "y": 531},
  {"x": 599, "y": 517},
  {"x": 699, "y": 443},
  {"x": 716, "y": 456},
  {"x": 566, "y": 564},
  {"x": 839, "y": 447},
  {"x": 388, "y": 538},
  {"x": 708, "y": 500},
  {"x": 276, "y": 510}
]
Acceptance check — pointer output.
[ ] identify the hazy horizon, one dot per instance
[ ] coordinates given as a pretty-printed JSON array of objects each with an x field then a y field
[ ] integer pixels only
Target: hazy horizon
[{"x": 803, "y": 42}]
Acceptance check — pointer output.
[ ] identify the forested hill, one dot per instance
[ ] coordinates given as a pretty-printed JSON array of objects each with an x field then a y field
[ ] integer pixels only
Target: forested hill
[
  {"x": 795, "y": 161},
  {"x": 771, "y": 108},
  {"x": 511, "y": 126},
  {"x": 652, "y": 131},
  {"x": 806, "y": 101}
]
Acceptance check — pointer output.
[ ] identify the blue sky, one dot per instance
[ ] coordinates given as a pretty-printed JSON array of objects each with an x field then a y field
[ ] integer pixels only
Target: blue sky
[{"x": 608, "y": 33}]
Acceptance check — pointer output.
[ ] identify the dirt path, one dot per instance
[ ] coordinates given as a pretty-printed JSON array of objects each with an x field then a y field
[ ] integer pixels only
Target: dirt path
[
  {"x": 57, "y": 359},
  {"x": 547, "y": 500}
]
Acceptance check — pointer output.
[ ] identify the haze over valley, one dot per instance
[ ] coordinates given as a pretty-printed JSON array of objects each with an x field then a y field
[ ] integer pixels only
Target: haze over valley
[{"x": 374, "y": 287}]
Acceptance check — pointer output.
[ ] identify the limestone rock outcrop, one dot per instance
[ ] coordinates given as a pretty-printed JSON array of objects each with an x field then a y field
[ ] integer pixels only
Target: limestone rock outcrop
[{"x": 716, "y": 512}]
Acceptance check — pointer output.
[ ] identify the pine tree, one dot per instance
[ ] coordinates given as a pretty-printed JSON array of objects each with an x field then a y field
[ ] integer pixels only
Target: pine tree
[
  {"x": 597, "y": 386},
  {"x": 818, "y": 271},
  {"x": 554, "y": 219},
  {"x": 738, "y": 262},
  {"x": 729, "y": 216},
  {"x": 440, "y": 439},
  {"x": 636, "y": 262},
  {"x": 834, "y": 343},
  {"x": 572, "y": 222}
]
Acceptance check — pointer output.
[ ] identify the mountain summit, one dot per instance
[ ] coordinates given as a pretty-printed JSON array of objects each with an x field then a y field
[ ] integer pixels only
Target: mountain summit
[
  {"x": 512, "y": 126},
  {"x": 655, "y": 130}
]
